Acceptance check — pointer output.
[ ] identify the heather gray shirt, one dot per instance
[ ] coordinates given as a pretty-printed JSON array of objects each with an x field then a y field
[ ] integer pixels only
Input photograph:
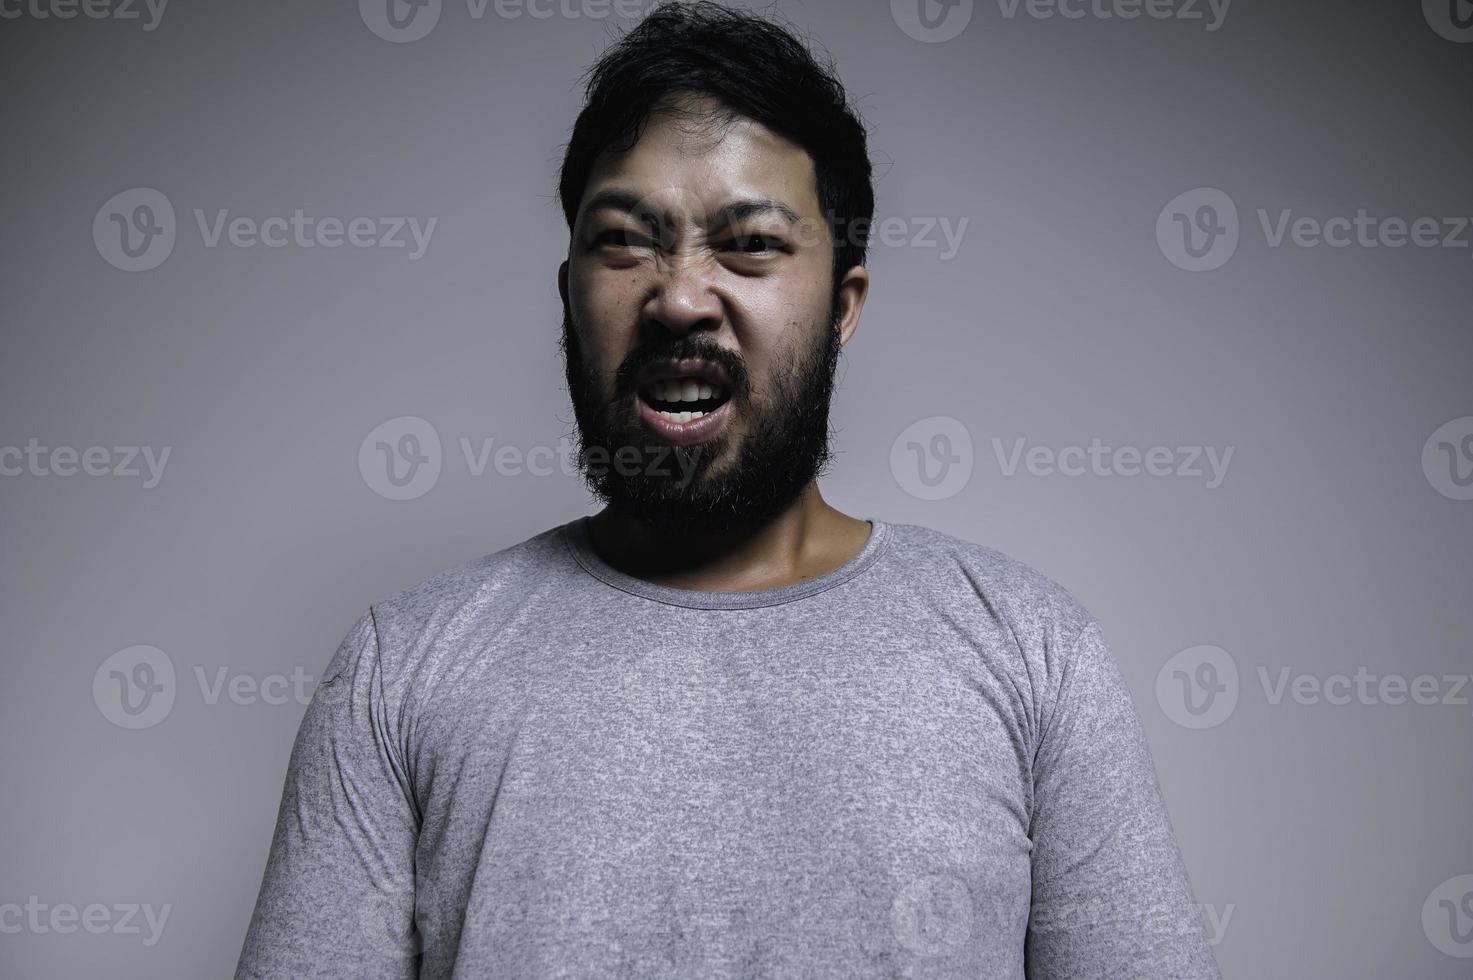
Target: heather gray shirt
[{"x": 922, "y": 764}]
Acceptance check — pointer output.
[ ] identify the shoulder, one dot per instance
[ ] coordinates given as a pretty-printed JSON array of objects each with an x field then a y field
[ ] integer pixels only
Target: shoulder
[
  {"x": 1009, "y": 591},
  {"x": 1048, "y": 642},
  {"x": 452, "y": 607},
  {"x": 509, "y": 570}
]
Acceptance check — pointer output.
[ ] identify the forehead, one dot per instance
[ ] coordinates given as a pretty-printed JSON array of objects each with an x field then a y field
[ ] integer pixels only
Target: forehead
[{"x": 701, "y": 162}]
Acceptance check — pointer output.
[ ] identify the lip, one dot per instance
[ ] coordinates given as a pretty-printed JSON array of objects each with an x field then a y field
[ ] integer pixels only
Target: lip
[{"x": 690, "y": 433}]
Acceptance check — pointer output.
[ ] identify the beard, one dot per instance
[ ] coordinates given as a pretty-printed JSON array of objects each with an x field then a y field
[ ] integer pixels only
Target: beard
[{"x": 729, "y": 483}]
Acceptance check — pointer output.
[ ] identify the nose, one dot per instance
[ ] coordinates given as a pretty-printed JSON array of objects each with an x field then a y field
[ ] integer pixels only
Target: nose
[{"x": 682, "y": 301}]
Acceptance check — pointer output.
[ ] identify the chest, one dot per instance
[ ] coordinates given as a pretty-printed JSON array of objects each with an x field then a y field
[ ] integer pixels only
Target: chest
[{"x": 870, "y": 745}]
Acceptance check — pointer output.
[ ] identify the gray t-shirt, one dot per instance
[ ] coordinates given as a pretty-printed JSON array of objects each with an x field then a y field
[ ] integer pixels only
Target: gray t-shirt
[{"x": 924, "y": 763}]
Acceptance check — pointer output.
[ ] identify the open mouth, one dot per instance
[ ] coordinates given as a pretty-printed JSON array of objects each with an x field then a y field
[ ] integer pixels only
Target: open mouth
[
  {"x": 685, "y": 402},
  {"x": 683, "y": 399}
]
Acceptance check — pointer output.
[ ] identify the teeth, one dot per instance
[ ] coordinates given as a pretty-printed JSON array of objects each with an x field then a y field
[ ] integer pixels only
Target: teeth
[
  {"x": 681, "y": 416},
  {"x": 682, "y": 390}
]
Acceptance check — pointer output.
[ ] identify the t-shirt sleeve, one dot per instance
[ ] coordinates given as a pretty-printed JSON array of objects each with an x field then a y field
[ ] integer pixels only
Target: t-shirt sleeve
[
  {"x": 337, "y": 897},
  {"x": 1111, "y": 896}
]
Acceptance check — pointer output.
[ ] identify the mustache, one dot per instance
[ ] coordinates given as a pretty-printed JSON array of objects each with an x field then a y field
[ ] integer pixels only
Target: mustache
[{"x": 680, "y": 348}]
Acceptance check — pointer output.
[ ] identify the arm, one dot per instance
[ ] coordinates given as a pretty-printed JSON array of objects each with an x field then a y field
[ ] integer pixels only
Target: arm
[
  {"x": 1110, "y": 892},
  {"x": 337, "y": 898}
]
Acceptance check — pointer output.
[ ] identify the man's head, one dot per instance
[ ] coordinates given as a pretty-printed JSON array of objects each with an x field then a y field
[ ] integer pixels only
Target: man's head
[{"x": 718, "y": 195}]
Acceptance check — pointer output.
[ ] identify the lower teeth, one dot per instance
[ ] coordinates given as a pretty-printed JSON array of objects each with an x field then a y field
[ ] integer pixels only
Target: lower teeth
[{"x": 680, "y": 416}]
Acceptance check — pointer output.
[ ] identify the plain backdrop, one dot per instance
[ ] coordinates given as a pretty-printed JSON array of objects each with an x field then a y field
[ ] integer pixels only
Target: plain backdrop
[{"x": 1318, "y": 832}]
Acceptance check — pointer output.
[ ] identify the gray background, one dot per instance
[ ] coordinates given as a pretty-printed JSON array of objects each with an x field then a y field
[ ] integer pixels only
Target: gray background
[{"x": 1320, "y": 829}]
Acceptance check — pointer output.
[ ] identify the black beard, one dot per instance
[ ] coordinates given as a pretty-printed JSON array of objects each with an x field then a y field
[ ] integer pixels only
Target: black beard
[{"x": 672, "y": 489}]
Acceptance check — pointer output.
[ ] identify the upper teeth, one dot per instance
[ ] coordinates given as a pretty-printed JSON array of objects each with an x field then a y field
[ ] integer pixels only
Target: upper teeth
[{"x": 681, "y": 390}]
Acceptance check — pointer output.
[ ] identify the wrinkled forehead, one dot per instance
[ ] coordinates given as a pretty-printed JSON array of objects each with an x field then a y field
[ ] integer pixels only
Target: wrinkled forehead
[{"x": 704, "y": 169}]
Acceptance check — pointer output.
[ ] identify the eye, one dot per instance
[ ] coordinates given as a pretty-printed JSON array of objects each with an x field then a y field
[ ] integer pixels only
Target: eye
[
  {"x": 619, "y": 238},
  {"x": 755, "y": 244}
]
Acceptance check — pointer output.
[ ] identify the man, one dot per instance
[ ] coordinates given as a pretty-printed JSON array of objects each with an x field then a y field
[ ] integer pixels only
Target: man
[{"x": 721, "y": 728}]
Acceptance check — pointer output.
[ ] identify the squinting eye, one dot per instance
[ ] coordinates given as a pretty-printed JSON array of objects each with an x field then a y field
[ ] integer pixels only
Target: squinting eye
[
  {"x": 753, "y": 244},
  {"x": 619, "y": 238}
]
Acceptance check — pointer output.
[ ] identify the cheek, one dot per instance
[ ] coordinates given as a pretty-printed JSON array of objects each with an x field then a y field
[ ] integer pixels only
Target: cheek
[
  {"x": 605, "y": 310},
  {"x": 780, "y": 323},
  {"x": 798, "y": 293}
]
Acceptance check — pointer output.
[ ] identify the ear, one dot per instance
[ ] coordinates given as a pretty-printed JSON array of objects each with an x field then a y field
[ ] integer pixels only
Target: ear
[
  {"x": 852, "y": 292},
  {"x": 562, "y": 282}
]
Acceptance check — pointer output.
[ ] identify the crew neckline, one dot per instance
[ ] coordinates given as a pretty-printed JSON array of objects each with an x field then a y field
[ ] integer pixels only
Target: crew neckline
[{"x": 575, "y": 536}]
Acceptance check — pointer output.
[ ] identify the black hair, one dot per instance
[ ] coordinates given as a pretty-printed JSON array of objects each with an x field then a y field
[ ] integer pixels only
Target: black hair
[{"x": 753, "y": 68}]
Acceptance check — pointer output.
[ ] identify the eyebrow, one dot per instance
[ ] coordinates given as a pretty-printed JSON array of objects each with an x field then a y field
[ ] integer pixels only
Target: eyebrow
[{"x": 626, "y": 201}]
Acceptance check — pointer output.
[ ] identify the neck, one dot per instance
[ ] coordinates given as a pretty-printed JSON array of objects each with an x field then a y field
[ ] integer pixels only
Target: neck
[{"x": 809, "y": 538}]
